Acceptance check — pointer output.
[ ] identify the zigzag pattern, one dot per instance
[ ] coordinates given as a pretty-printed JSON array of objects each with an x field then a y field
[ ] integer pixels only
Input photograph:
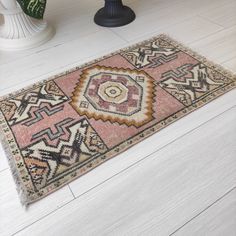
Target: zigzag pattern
[
  {"x": 38, "y": 114},
  {"x": 189, "y": 90},
  {"x": 34, "y": 99},
  {"x": 178, "y": 72},
  {"x": 49, "y": 133},
  {"x": 152, "y": 54},
  {"x": 45, "y": 161},
  {"x": 162, "y": 59}
]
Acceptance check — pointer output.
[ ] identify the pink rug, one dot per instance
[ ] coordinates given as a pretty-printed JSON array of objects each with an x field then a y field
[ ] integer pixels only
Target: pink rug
[{"x": 61, "y": 128}]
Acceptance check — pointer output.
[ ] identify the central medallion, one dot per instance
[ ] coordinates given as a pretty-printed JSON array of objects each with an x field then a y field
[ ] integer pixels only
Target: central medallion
[
  {"x": 116, "y": 95},
  {"x": 113, "y": 92}
]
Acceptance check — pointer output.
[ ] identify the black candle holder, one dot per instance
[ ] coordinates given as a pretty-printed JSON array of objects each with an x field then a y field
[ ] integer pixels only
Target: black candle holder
[{"x": 114, "y": 14}]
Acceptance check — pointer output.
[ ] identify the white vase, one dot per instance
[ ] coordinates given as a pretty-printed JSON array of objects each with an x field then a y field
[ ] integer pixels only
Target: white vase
[{"x": 20, "y": 31}]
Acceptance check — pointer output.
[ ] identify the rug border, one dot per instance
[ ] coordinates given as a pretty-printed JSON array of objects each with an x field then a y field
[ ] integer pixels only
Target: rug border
[{"x": 25, "y": 200}]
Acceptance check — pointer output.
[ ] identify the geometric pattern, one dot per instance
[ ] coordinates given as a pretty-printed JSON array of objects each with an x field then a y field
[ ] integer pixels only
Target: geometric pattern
[
  {"x": 191, "y": 87},
  {"x": 59, "y": 129},
  {"x": 52, "y": 135},
  {"x": 18, "y": 109},
  {"x": 38, "y": 114},
  {"x": 46, "y": 162},
  {"x": 152, "y": 54},
  {"x": 116, "y": 95}
]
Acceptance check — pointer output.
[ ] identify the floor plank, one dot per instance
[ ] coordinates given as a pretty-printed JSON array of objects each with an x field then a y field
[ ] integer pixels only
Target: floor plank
[
  {"x": 199, "y": 28},
  {"x": 158, "y": 195},
  {"x": 231, "y": 64},
  {"x": 222, "y": 15},
  {"x": 218, "y": 220},
  {"x": 14, "y": 217},
  {"x": 203, "y": 6},
  {"x": 219, "y": 47}
]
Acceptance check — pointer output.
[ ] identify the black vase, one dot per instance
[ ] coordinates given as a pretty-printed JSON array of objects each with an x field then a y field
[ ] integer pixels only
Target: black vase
[{"x": 114, "y": 14}]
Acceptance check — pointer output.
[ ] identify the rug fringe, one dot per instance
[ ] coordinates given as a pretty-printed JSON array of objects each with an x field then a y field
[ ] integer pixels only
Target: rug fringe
[{"x": 19, "y": 187}]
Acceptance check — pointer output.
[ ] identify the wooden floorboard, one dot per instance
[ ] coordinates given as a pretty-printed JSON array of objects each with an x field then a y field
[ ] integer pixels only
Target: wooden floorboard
[
  {"x": 217, "y": 220},
  {"x": 14, "y": 217},
  {"x": 231, "y": 64}
]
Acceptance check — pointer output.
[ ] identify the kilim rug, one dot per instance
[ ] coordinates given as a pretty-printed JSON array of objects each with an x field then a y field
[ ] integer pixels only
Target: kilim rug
[{"x": 61, "y": 128}]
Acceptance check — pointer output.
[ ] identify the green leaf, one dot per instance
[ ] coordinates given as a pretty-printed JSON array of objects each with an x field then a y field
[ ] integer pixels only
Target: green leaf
[{"x": 33, "y": 8}]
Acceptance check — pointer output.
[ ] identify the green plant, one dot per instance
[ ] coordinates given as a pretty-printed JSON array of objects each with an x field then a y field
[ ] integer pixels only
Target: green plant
[{"x": 33, "y": 8}]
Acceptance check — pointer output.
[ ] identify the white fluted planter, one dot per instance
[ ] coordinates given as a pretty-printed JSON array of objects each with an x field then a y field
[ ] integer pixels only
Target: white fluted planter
[{"x": 20, "y": 31}]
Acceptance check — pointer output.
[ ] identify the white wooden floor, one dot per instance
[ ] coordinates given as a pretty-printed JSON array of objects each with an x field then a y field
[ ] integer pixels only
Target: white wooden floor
[{"x": 182, "y": 180}]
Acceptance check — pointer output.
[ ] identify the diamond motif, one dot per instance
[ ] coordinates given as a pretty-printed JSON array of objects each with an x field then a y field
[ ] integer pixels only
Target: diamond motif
[{"x": 118, "y": 95}]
